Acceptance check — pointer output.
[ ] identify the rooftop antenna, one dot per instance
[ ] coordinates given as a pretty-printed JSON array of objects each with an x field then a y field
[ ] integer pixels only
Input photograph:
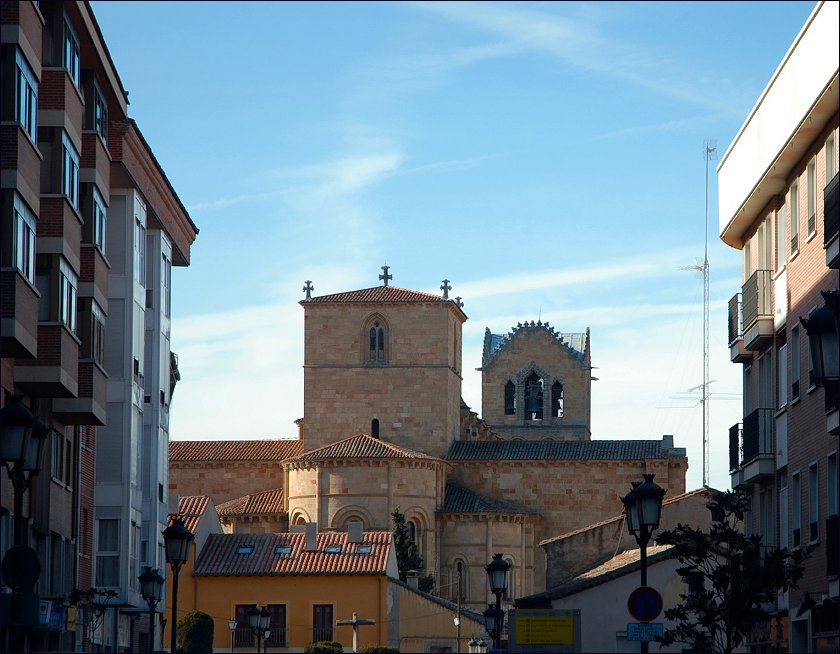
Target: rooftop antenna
[{"x": 709, "y": 154}]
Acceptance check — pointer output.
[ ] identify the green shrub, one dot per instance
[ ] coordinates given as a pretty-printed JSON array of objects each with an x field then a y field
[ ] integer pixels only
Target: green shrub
[
  {"x": 379, "y": 649},
  {"x": 324, "y": 647},
  {"x": 195, "y": 633}
]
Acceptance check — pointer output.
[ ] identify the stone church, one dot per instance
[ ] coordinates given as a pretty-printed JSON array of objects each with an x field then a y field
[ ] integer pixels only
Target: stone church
[{"x": 384, "y": 427}]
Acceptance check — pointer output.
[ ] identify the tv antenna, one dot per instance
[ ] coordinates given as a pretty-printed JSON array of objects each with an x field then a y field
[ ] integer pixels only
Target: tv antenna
[{"x": 709, "y": 154}]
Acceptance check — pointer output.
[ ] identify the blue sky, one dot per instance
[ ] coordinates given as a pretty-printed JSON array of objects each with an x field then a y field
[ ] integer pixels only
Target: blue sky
[{"x": 547, "y": 158}]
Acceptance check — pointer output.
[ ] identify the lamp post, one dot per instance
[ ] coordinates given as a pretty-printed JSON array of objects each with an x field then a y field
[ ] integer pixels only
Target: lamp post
[
  {"x": 151, "y": 589},
  {"x": 457, "y": 618},
  {"x": 642, "y": 507},
  {"x": 823, "y": 337},
  {"x": 22, "y": 438},
  {"x": 232, "y": 626},
  {"x": 259, "y": 620},
  {"x": 177, "y": 539},
  {"x": 497, "y": 572}
]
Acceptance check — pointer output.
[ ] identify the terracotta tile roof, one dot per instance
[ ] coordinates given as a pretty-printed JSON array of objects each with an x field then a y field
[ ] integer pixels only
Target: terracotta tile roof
[
  {"x": 622, "y": 564},
  {"x": 378, "y": 295},
  {"x": 268, "y": 501},
  {"x": 190, "y": 510},
  {"x": 634, "y": 450},
  {"x": 258, "y": 554},
  {"x": 361, "y": 446},
  {"x": 459, "y": 499},
  {"x": 275, "y": 449}
]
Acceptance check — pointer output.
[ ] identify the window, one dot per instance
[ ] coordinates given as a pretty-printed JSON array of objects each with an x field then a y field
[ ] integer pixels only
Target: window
[
  {"x": 510, "y": 399},
  {"x": 812, "y": 196},
  {"x": 67, "y": 284},
  {"x": 62, "y": 458},
  {"x": 322, "y": 622},
  {"x": 243, "y": 636},
  {"x": 100, "y": 221},
  {"x": 794, "y": 363},
  {"x": 747, "y": 260},
  {"x": 831, "y": 471},
  {"x": 812, "y": 382},
  {"x": 97, "y": 333},
  {"x": 24, "y": 243},
  {"x": 139, "y": 252},
  {"x": 460, "y": 575},
  {"x": 796, "y": 513},
  {"x": 245, "y": 550},
  {"x": 377, "y": 342},
  {"x": 783, "y": 510},
  {"x": 411, "y": 526},
  {"x": 166, "y": 282},
  {"x": 100, "y": 113},
  {"x": 557, "y": 400},
  {"x": 107, "y": 555},
  {"x": 333, "y": 549},
  {"x": 283, "y": 550},
  {"x": 533, "y": 397},
  {"x": 767, "y": 523},
  {"x": 70, "y": 55},
  {"x": 765, "y": 245},
  {"x": 374, "y": 427},
  {"x": 26, "y": 96},
  {"x": 813, "y": 503},
  {"x": 781, "y": 376},
  {"x": 794, "y": 218},
  {"x": 781, "y": 237},
  {"x": 830, "y": 169},
  {"x": 276, "y": 626},
  {"x": 69, "y": 170}
]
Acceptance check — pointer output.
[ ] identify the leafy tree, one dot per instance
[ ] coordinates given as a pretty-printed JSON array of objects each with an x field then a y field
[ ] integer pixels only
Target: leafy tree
[
  {"x": 408, "y": 556},
  {"x": 195, "y": 632},
  {"x": 729, "y": 576}
]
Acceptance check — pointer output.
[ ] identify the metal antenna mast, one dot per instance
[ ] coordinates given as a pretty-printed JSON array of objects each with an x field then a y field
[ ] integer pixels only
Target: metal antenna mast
[{"x": 709, "y": 153}]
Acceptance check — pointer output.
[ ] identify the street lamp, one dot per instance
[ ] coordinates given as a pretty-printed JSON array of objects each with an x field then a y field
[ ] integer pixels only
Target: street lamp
[
  {"x": 232, "y": 626},
  {"x": 259, "y": 620},
  {"x": 497, "y": 572},
  {"x": 822, "y": 329},
  {"x": 151, "y": 589},
  {"x": 177, "y": 539},
  {"x": 22, "y": 438},
  {"x": 642, "y": 508}
]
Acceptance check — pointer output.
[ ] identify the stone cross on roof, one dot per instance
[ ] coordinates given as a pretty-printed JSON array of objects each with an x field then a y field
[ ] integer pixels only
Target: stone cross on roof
[
  {"x": 445, "y": 287},
  {"x": 308, "y": 288},
  {"x": 459, "y": 303},
  {"x": 385, "y": 276}
]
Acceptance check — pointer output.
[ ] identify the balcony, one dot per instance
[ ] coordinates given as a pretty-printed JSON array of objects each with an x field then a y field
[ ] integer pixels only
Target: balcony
[
  {"x": 736, "y": 456},
  {"x": 757, "y": 311},
  {"x": 89, "y": 407},
  {"x": 737, "y": 352},
  {"x": 55, "y": 371},
  {"x": 831, "y": 224},
  {"x": 60, "y": 103},
  {"x": 759, "y": 448},
  {"x": 20, "y": 160},
  {"x": 18, "y": 315},
  {"x": 832, "y": 543}
]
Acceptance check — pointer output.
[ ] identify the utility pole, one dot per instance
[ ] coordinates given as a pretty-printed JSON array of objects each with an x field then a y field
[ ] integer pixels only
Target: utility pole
[
  {"x": 709, "y": 150},
  {"x": 458, "y": 616}
]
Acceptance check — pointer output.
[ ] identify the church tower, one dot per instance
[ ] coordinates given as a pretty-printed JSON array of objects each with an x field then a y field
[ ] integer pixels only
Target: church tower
[{"x": 383, "y": 361}]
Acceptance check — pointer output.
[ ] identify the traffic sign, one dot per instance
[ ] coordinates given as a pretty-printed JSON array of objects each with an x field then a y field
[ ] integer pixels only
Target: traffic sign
[
  {"x": 645, "y": 604},
  {"x": 644, "y": 631}
]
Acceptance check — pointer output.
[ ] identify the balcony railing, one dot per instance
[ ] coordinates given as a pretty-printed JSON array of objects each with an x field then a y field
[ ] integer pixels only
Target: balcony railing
[
  {"x": 757, "y": 296},
  {"x": 735, "y": 318},
  {"x": 244, "y": 637},
  {"x": 832, "y": 527},
  {"x": 320, "y": 634},
  {"x": 831, "y": 214},
  {"x": 736, "y": 447},
  {"x": 758, "y": 435}
]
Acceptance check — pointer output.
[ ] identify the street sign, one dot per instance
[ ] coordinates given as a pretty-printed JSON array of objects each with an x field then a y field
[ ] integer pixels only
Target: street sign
[
  {"x": 544, "y": 631},
  {"x": 644, "y": 631},
  {"x": 645, "y": 604}
]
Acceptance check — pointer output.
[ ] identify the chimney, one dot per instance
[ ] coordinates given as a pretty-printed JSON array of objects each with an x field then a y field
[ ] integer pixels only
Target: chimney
[
  {"x": 354, "y": 531},
  {"x": 311, "y": 536},
  {"x": 412, "y": 579}
]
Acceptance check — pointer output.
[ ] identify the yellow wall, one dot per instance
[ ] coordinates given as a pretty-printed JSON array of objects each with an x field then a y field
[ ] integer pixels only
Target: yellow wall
[{"x": 218, "y": 597}]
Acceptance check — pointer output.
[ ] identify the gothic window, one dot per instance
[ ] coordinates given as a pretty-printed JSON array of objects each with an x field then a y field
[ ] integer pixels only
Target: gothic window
[
  {"x": 376, "y": 336},
  {"x": 533, "y": 397},
  {"x": 510, "y": 399},
  {"x": 557, "y": 400}
]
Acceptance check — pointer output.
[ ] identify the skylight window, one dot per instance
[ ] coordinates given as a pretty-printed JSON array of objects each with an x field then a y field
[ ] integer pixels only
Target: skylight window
[
  {"x": 245, "y": 549},
  {"x": 283, "y": 550},
  {"x": 333, "y": 549},
  {"x": 363, "y": 548}
]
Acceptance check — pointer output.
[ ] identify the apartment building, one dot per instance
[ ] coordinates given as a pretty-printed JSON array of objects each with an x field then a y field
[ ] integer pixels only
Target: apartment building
[
  {"x": 91, "y": 228},
  {"x": 778, "y": 206}
]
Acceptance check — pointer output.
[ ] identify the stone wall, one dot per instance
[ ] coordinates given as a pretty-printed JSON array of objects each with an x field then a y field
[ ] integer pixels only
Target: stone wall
[{"x": 223, "y": 480}]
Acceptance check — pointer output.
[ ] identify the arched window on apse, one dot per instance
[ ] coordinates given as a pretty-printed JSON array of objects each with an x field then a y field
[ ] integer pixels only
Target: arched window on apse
[{"x": 374, "y": 427}]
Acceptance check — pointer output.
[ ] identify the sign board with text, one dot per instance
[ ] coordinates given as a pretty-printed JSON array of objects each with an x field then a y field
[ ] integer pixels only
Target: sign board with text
[
  {"x": 544, "y": 630},
  {"x": 644, "y": 631}
]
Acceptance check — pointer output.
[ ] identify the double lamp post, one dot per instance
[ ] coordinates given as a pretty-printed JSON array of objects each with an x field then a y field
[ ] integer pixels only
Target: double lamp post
[{"x": 494, "y": 618}]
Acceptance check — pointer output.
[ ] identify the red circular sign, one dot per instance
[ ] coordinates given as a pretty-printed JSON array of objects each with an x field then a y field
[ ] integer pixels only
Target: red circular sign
[{"x": 644, "y": 603}]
